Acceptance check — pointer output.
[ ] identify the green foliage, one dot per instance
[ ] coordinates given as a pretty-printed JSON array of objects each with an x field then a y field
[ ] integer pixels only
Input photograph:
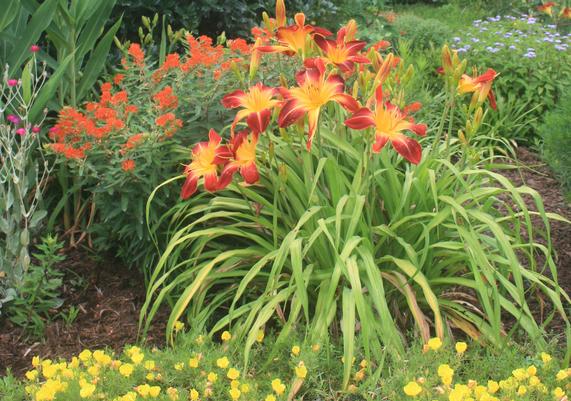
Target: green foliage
[
  {"x": 557, "y": 140},
  {"x": 421, "y": 32},
  {"x": 39, "y": 295},
  {"x": 76, "y": 48},
  {"x": 24, "y": 173},
  {"x": 534, "y": 63},
  {"x": 370, "y": 381}
]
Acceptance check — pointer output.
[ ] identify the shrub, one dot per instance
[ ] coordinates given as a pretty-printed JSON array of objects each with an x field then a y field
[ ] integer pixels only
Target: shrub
[
  {"x": 197, "y": 368},
  {"x": 534, "y": 62},
  {"x": 24, "y": 172},
  {"x": 557, "y": 140},
  {"x": 337, "y": 236},
  {"x": 114, "y": 151},
  {"x": 422, "y": 32}
]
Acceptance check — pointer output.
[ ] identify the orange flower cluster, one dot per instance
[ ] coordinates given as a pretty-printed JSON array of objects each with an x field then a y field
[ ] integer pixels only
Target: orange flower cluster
[
  {"x": 169, "y": 123},
  {"x": 172, "y": 62},
  {"x": 137, "y": 54},
  {"x": 201, "y": 52},
  {"x": 166, "y": 99}
]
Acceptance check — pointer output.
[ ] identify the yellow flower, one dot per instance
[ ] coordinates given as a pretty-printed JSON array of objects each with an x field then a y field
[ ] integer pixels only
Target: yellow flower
[
  {"x": 154, "y": 391},
  {"x": 222, "y": 362},
  {"x": 143, "y": 390},
  {"x": 212, "y": 377},
  {"x": 235, "y": 393},
  {"x": 150, "y": 376},
  {"x": 233, "y": 374},
  {"x": 295, "y": 350},
  {"x": 364, "y": 363},
  {"x": 130, "y": 396},
  {"x": 32, "y": 375},
  {"x": 101, "y": 358},
  {"x": 137, "y": 357},
  {"x": 278, "y": 386},
  {"x": 534, "y": 381},
  {"x": 85, "y": 355},
  {"x": 545, "y": 357},
  {"x": 270, "y": 397},
  {"x": 36, "y": 361},
  {"x": 521, "y": 390},
  {"x": 234, "y": 384},
  {"x": 493, "y": 386},
  {"x": 360, "y": 375},
  {"x": 315, "y": 347},
  {"x": 150, "y": 365},
  {"x": 172, "y": 393},
  {"x": 226, "y": 336},
  {"x": 179, "y": 366},
  {"x": 260, "y": 336},
  {"x": 559, "y": 393},
  {"x": 178, "y": 326},
  {"x": 520, "y": 374},
  {"x": 93, "y": 370},
  {"x": 301, "y": 370},
  {"x": 86, "y": 390},
  {"x": 461, "y": 347},
  {"x": 531, "y": 370},
  {"x": 412, "y": 389},
  {"x": 434, "y": 343},
  {"x": 199, "y": 340},
  {"x": 193, "y": 395},
  {"x": 446, "y": 373},
  {"x": 245, "y": 388},
  {"x": 193, "y": 362},
  {"x": 126, "y": 369},
  {"x": 561, "y": 375}
]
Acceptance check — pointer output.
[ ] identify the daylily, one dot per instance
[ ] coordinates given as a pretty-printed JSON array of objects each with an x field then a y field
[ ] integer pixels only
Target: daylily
[
  {"x": 546, "y": 8},
  {"x": 256, "y": 106},
  {"x": 315, "y": 90},
  {"x": 480, "y": 85},
  {"x": 206, "y": 157},
  {"x": 389, "y": 122},
  {"x": 292, "y": 39},
  {"x": 566, "y": 12},
  {"x": 243, "y": 147},
  {"x": 341, "y": 53}
]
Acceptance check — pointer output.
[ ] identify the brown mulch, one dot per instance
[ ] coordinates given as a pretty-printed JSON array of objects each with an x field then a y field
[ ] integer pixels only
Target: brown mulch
[
  {"x": 536, "y": 174},
  {"x": 108, "y": 297}
]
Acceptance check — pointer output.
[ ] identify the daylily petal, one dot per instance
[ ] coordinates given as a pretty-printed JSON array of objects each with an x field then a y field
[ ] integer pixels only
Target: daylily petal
[
  {"x": 250, "y": 173},
  {"x": 258, "y": 122},
  {"x": 347, "y": 101},
  {"x": 189, "y": 187},
  {"x": 361, "y": 119},
  {"x": 292, "y": 111},
  {"x": 312, "y": 119},
  {"x": 233, "y": 99},
  {"x": 408, "y": 148},
  {"x": 211, "y": 182},
  {"x": 380, "y": 142}
]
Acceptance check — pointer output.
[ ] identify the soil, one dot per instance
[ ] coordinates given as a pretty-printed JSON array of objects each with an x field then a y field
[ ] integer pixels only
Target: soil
[{"x": 111, "y": 295}]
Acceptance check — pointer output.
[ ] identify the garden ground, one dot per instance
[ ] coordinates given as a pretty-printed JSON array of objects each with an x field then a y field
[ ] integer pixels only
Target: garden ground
[{"x": 109, "y": 297}]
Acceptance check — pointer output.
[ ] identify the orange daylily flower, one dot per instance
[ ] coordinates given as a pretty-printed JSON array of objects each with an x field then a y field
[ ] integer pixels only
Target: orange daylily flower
[
  {"x": 389, "y": 122},
  {"x": 256, "y": 106},
  {"x": 315, "y": 90},
  {"x": 547, "y": 8},
  {"x": 292, "y": 39},
  {"x": 566, "y": 12},
  {"x": 481, "y": 86},
  {"x": 206, "y": 157},
  {"x": 343, "y": 54},
  {"x": 243, "y": 147}
]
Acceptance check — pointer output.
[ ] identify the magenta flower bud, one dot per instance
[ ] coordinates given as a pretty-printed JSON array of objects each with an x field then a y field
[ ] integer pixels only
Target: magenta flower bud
[
  {"x": 34, "y": 48},
  {"x": 12, "y": 82},
  {"x": 13, "y": 119},
  {"x": 36, "y": 129},
  {"x": 21, "y": 131}
]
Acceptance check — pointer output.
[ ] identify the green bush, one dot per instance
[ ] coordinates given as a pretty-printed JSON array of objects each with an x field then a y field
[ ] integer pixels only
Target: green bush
[
  {"x": 556, "y": 137},
  {"x": 534, "y": 63},
  {"x": 422, "y": 32}
]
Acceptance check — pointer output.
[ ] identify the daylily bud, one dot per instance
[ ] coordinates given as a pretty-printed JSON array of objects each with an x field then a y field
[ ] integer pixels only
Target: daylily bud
[
  {"x": 350, "y": 30},
  {"x": 146, "y": 22},
  {"x": 155, "y": 19},
  {"x": 280, "y": 13},
  {"x": 255, "y": 58},
  {"x": 446, "y": 60},
  {"x": 355, "y": 91},
  {"x": 283, "y": 80},
  {"x": 462, "y": 138},
  {"x": 268, "y": 24},
  {"x": 236, "y": 71},
  {"x": 408, "y": 74},
  {"x": 478, "y": 118}
]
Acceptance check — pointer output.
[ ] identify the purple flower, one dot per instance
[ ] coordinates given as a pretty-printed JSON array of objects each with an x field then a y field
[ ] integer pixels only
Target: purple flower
[
  {"x": 457, "y": 39},
  {"x": 21, "y": 131},
  {"x": 529, "y": 55},
  {"x": 531, "y": 20},
  {"x": 36, "y": 129},
  {"x": 12, "y": 82},
  {"x": 512, "y": 47},
  {"x": 561, "y": 47},
  {"x": 13, "y": 119},
  {"x": 475, "y": 40}
]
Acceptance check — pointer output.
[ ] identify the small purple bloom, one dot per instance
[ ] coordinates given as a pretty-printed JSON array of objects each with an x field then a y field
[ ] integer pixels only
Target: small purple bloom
[
  {"x": 457, "y": 39},
  {"x": 512, "y": 47},
  {"x": 36, "y": 129},
  {"x": 475, "y": 40},
  {"x": 21, "y": 131},
  {"x": 12, "y": 82}
]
